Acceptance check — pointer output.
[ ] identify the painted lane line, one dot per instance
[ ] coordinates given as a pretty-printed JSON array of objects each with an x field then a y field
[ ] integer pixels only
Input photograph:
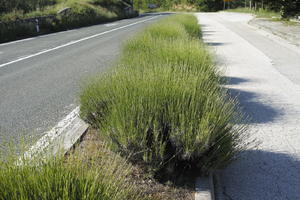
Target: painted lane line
[
  {"x": 51, "y": 135},
  {"x": 112, "y": 24},
  {"x": 74, "y": 42}
]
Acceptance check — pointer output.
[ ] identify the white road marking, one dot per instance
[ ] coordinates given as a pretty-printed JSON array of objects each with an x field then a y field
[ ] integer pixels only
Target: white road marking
[
  {"x": 51, "y": 135},
  {"x": 74, "y": 42},
  {"x": 112, "y": 24}
]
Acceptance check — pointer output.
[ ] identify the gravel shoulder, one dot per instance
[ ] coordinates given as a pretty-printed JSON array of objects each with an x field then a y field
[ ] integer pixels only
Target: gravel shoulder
[{"x": 290, "y": 32}]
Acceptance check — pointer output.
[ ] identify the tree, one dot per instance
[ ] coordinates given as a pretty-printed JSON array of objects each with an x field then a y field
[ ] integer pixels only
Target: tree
[{"x": 290, "y": 8}]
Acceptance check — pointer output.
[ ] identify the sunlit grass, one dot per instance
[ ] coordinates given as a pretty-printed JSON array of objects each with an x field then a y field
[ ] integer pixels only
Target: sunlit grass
[
  {"x": 163, "y": 102},
  {"x": 102, "y": 176}
]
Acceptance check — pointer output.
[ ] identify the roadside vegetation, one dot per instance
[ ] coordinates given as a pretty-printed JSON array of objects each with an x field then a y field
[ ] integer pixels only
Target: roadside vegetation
[
  {"x": 284, "y": 9},
  {"x": 163, "y": 105},
  {"x": 102, "y": 175},
  {"x": 14, "y": 15},
  {"x": 19, "y": 9},
  {"x": 179, "y": 5}
]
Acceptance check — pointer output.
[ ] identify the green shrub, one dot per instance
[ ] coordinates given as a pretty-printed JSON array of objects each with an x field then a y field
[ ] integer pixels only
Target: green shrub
[
  {"x": 10, "y": 31},
  {"x": 290, "y": 8},
  {"x": 85, "y": 14},
  {"x": 102, "y": 176},
  {"x": 163, "y": 102},
  {"x": 26, "y": 6}
]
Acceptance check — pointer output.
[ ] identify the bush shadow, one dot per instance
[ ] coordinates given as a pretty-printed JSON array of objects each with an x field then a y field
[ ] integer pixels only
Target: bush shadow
[
  {"x": 265, "y": 173},
  {"x": 155, "y": 14},
  {"x": 227, "y": 80},
  {"x": 215, "y": 44},
  {"x": 256, "y": 111}
]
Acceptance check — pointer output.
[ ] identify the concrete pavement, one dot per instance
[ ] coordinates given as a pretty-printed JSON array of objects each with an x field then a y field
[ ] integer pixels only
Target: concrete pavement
[
  {"x": 265, "y": 75},
  {"x": 40, "y": 78}
]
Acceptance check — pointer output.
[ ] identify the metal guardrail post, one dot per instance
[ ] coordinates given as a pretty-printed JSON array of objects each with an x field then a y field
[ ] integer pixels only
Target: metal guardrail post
[{"x": 37, "y": 25}]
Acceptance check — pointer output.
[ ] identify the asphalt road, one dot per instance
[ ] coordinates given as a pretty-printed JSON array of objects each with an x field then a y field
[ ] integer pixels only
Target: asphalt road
[
  {"x": 264, "y": 72},
  {"x": 40, "y": 78}
]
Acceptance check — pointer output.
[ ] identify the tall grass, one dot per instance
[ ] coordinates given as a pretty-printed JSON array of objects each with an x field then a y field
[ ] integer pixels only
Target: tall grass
[
  {"x": 102, "y": 176},
  {"x": 163, "y": 102}
]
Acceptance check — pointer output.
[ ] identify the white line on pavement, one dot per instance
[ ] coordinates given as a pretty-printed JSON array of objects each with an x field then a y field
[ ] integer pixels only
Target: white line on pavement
[
  {"x": 112, "y": 24},
  {"x": 51, "y": 135},
  {"x": 74, "y": 42}
]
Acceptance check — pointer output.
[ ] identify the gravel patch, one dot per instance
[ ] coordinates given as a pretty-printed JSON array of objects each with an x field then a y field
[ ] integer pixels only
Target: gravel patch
[{"x": 290, "y": 32}]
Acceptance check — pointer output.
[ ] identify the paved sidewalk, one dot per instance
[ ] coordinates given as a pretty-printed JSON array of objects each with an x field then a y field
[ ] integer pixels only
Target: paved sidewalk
[{"x": 265, "y": 75}]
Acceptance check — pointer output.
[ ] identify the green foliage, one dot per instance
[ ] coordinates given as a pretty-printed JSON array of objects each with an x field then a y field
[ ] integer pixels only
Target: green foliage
[
  {"x": 16, "y": 30},
  {"x": 103, "y": 176},
  {"x": 24, "y": 5},
  {"x": 85, "y": 14},
  {"x": 285, "y": 8},
  {"x": 82, "y": 13},
  {"x": 203, "y": 5},
  {"x": 163, "y": 102},
  {"x": 210, "y": 5},
  {"x": 290, "y": 8}
]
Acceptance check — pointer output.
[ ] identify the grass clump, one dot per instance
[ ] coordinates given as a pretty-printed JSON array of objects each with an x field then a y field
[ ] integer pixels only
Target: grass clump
[
  {"x": 163, "y": 103},
  {"x": 101, "y": 176}
]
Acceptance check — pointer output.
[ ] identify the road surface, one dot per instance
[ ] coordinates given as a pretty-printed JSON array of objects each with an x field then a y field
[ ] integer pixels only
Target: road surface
[
  {"x": 40, "y": 78},
  {"x": 264, "y": 72}
]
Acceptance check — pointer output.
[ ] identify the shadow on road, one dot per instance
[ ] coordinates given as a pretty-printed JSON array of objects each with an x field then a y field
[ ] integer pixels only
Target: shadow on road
[
  {"x": 264, "y": 176},
  {"x": 256, "y": 111},
  {"x": 155, "y": 14},
  {"x": 233, "y": 80},
  {"x": 214, "y": 44}
]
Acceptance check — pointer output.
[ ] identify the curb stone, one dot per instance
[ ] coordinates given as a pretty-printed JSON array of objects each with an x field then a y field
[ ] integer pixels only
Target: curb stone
[
  {"x": 219, "y": 189},
  {"x": 70, "y": 137},
  {"x": 205, "y": 188},
  {"x": 60, "y": 139}
]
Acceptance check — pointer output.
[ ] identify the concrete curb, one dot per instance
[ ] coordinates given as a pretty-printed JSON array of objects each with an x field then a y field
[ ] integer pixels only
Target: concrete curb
[
  {"x": 60, "y": 139},
  {"x": 70, "y": 136},
  {"x": 205, "y": 188}
]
